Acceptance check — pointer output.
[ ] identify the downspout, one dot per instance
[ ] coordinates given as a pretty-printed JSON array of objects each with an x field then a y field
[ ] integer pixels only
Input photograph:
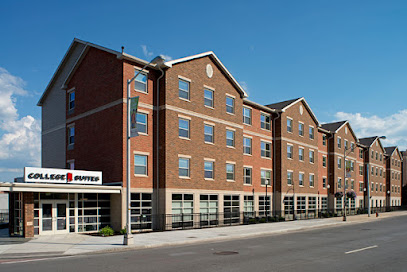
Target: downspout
[
  {"x": 274, "y": 164},
  {"x": 158, "y": 146}
]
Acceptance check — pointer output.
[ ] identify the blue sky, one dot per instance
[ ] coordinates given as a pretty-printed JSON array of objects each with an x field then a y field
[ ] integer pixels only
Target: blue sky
[{"x": 347, "y": 58}]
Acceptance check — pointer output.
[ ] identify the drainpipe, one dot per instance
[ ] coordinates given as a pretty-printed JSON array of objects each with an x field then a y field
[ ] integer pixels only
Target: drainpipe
[
  {"x": 158, "y": 145},
  {"x": 274, "y": 164}
]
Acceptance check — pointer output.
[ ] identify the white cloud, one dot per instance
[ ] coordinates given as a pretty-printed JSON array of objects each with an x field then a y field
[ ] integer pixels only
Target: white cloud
[
  {"x": 20, "y": 137},
  {"x": 244, "y": 85},
  {"x": 166, "y": 57},
  {"x": 394, "y": 126},
  {"x": 147, "y": 54}
]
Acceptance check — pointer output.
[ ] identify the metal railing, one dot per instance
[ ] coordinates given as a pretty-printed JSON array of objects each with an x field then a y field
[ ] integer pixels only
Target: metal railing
[{"x": 4, "y": 217}]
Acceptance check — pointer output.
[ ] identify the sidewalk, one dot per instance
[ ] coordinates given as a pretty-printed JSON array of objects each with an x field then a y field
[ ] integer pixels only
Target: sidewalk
[{"x": 73, "y": 244}]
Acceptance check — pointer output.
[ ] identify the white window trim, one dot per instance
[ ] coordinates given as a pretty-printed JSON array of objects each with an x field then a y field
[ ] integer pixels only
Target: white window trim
[
  {"x": 251, "y": 115},
  {"x": 292, "y": 123},
  {"x": 299, "y": 122},
  {"x": 313, "y": 134},
  {"x": 292, "y": 151},
  {"x": 140, "y": 153}
]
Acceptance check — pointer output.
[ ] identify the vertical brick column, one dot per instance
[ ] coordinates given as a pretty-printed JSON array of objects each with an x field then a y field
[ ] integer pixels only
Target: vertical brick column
[{"x": 28, "y": 205}]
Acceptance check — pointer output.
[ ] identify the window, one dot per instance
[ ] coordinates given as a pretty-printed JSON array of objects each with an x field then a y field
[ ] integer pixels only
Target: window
[
  {"x": 230, "y": 171},
  {"x": 247, "y": 116},
  {"x": 71, "y": 135},
  {"x": 381, "y": 172},
  {"x": 183, "y": 167},
  {"x": 352, "y": 184},
  {"x": 377, "y": 171},
  {"x": 182, "y": 210},
  {"x": 264, "y": 204},
  {"x": 141, "y": 122},
  {"x": 183, "y": 89},
  {"x": 265, "y": 176},
  {"x": 324, "y": 183},
  {"x": 301, "y": 179},
  {"x": 230, "y": 104},
  {"x": 247, "y": 145},
  {"x": 301, "y": 154},
  {"x": 208, "y": 209},
  {"x": 352, "y": 166},
  {"x": 339, "y": 183},
  {"x": 339, "y": 141},
  {"x": 208, "y": 169},
  {"x": 312, "y": 203},
  {"x": 360, "y": 186},
  {"x": 324, "y": 161},
  {"x": 230, "y": 138},
  {"x": 372, "y": 189},
  {"x": 71, "y": 104},
  {"x": 381, "y": 157},
  {"x": 288, "y": 205},
  {"x": 392, "y": 161},
  {"x": 372, "y": 154},
  {"x": 208, "y": 98},
  {"x": 381, "y": 187},
  {"x": 289, "y": 151},
  {"x": 311, "y": 180},
  {"x": 339, "y": 203},
  {"x": 289, "y": 125},
  {"x": 208, "y": 133},
  {"x": 346, "y": 144},
  {"x": 70, "y": 165},
  {"x": 339, "y": 163},
  {"x": 324, "y": 140},
  {"x": 301, "y": 129},
  {"x": 140, "y": 165},
  {"x": 377, "y": 187},
  {"x": 231, "y": 209},
  {"x": 361, "y": 153},
  {"x": 265, "y": 121},
  {"x": 289, "y": 178},
  {"x": 301, "y": 204},
  {"x": 372, "y": 170},
  {"x": 247, "y": 175},
  {"x": 183, "y": 128},
  {"x": 311, "y": 156},
  {"x": 377, "y": 155},
  {"x": 311, "y": 133},
  {"x": 324, "y": 203},
  {"x": 248, "y": 204},
  {"x": 361, "y": 170},
  {"x": 140, "y": 82},
  {"x": 141, "y": 211},
  {"x": 352, "y": 146},
  {"x": 265, "y": 149}
]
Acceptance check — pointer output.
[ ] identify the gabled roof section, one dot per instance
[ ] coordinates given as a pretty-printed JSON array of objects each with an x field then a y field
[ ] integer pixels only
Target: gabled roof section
[
  {"x": 217, "y": 61},
  {"x": 282, "y": 106},
  {"x": 336, "y": 126},
  {"x": 390, "y": 150},
  {"x": 369, "y": 141}
]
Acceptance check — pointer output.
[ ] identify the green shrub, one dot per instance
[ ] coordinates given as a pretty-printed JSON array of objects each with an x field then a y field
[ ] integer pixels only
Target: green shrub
[
  {"x": 281, "y": 219},
  {"x": 252, "y": 221},
  {"x": 123, "y": 231},
  {"x": 106, "y": 231},
  {"x": 262, "y": 220}
]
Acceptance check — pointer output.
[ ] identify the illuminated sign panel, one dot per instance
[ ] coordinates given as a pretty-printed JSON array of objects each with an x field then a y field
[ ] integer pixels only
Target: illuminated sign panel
[{"x": 63, "y": 176}]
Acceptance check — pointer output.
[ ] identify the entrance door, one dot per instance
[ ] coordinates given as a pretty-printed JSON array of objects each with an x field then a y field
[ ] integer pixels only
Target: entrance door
[{"x": 53, "y": 217}]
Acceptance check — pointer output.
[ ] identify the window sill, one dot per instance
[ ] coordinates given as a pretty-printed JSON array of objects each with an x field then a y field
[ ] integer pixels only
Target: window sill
[
  {"x": 267, "y": 158},
  {"x": 209, "y": 143},
  {"x": 183, "y": 138},
  {"x": 209, "y": 107},
  {"x": 247, "y": 124},
  {"x": 231, "y": 147},
  {"x": 268, "y": 186},
  {"x": 229, "y": 180},
  {"x": 265, "y": 129},
  {"x": 139, "y": 91},
  {"x": 247, "y": 154},
  {"x": 143, "y": 134},
  {"x": 141, "y": 176},
  {"x": 209, "y": 179},
  {"x": 230, "y": 113},
  {"x": 70, "y": 147},
  {"x": 183, "y": 99},
  {"x": 184, "y": 177},
  {"x": 244, "y": 184}
]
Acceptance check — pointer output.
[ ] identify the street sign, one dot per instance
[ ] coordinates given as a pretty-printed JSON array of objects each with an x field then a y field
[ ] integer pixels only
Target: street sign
[{"x": 133, "y": 116}]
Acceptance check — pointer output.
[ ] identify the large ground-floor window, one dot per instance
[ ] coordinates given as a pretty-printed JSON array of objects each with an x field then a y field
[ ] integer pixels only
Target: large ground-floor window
[
  {"x": 231, "y": 209},
  {"x": 324, "y": 203},
  {"x": 182, "y": 210},
  {"x": 141, "y": 211},
  {"x": 208, "y": 208},
  {"x": 264, "y": 205}
]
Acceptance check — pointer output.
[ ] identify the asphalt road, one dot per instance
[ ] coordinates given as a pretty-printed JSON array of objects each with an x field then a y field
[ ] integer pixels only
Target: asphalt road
[{"x": 375, "y": 246}]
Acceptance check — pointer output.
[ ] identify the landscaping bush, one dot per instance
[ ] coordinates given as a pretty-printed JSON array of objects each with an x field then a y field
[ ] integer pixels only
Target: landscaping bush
[
  {"x": 123, "y": 231},
  {"x": 106, "y": 231}
]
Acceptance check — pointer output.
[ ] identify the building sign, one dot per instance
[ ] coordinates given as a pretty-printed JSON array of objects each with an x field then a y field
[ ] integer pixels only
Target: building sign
[
  {"x": 133, "y": 116},
  {"x": 51, "y": 175}
]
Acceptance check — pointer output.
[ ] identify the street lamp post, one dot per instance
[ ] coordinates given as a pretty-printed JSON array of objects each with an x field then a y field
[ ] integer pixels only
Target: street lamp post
[
  {"x": 267, "y": 202},
  {"x": 128, "y": 238}
]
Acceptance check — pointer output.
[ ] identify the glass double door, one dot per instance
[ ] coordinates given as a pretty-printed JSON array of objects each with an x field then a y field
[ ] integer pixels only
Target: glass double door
[{"x": 54, "y": 217}]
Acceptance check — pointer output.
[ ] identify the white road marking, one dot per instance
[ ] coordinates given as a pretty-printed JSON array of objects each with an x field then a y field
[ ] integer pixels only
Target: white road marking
[
  {"x": 181, "y": 254},
  {"x": 361, "y": 249},
  {"x": 35, "y": 260}
]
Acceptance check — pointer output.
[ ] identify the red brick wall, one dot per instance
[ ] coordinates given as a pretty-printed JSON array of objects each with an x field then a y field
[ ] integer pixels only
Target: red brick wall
[{"x": 28, "y": 200}]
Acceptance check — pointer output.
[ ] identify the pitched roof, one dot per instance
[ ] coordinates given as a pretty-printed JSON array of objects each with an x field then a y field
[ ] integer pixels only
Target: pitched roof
[
  {"x": 217, "y": 61},
  {"x": 389, "y": 150},
  {"x": 333, "y": 127},
  {"x": 282, "y": 106},
  {"x": 368, "y": 141}
]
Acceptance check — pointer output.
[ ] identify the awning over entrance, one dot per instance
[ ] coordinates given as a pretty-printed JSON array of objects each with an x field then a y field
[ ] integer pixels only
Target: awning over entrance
[{"x": 59, "y": 188}]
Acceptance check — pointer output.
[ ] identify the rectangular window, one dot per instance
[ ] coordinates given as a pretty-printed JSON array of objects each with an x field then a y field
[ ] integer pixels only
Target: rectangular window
[
  {"x": 71, "y": 104},
  {"x": 247, "y": 145},
  {"x": 352, "y": 166},
  {"x": 247, "y": 116},
  {"x": 230, "y": 104},
  {"x": 377, "y": 156},
  {"x": 183, "y": 167},
  {"x": 339, "y": 203},
  {"x": 247, "y": 175},
  {"x": 301, "y": 179},
  {"x": 265, "y": 177},
  {"x": 183, "y": 128},
  {"x": 372, "y": 154},
  {"x": 289, "y": 151},
  {"x": 289, "y": 178},
  {"x": 301, "y": 154},
  {"x": 264, "y": 206},
  {"x": 182, "y": 210},
  {"x": 346, "y": 144},
  {"x": 208, "y": 169},
  {"x": 301, "y": 129},
  {"x": 208, "y": 98},
  {"x": 311, "y": 180},
  {"x": 230, "y": 171},
  {"x": 141, "y": 210},
  {"x": 140, "y": 165},
  {"x": 301, "y": 204},
  {"x": 183, "y": 89},
  {"x": 361, "y": 170},
  {"x": 311, "y": 133},
  {"x": 324, "y": 183},
  {"x": 208, "y": 133},
  {"x": 361, "y": 153},
  {"x": 324, "y": 203},
  {"x": 339, "y": 141},
  {"x": 311, "y": 156},
  {"x": 339, "y": 163},
  {"x": 140, "y": 82},
  {"x": 360, "y": 186},
  {"x": 352, "y": 147},
  {"x": 339, "y": 183},
  {"x": 141, "y": 121},
  {"x": 208, "y": 209},
  {"x": 289, "y": 125},
  {"x": 265, "y": 149},
  {"x": 324, "y": 161},
  {"x": 312, "y": 203},
  {"x": 231, "y": 209},
  {"x": 288, "y": 206},
  {"x": 71, "y": 135},
  {"x": 352, "y": 184},
  {"x": 381, "y": 157},
  {"x": 230, "y": 138},
  {"x": 324, "y": 140},
  {"x": 265, "y": 121},
  {"x": 248, "y": 204}
]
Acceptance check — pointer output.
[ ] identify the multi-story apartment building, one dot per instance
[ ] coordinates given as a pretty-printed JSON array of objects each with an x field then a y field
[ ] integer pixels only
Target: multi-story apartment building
[
  {"x": 376, "y": 171},
  {"x": 393, "y": 176},
  {"x": 343, "y": 171},
  {"x": 296, "y": 156},
  {"x": 205, "y": 153}
]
